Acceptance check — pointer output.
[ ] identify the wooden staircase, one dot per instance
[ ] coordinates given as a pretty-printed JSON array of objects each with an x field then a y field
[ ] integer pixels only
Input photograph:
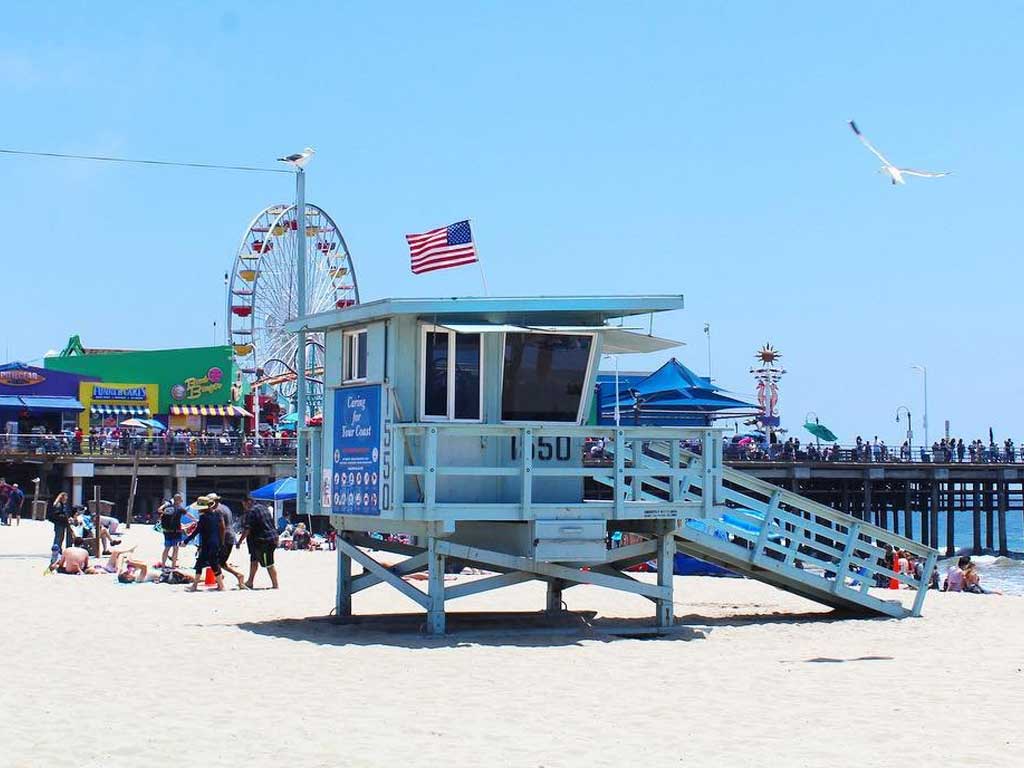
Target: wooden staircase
[{"x": 764, "y": 532}]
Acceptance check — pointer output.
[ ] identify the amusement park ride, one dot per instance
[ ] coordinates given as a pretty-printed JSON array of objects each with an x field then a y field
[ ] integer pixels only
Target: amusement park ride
[{"x": 263, "y": 296}]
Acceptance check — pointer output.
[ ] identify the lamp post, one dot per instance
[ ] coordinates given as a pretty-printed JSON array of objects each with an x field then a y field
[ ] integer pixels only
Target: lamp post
[
  {"x": 617, "y": 413},
  {"x": 910, "y": 430},
  {"x": 227, "y": 304},
  {"x": 300, "y": 357},
  {"x": 707, "y": 332},
  {"x": 924, "y": 370}
]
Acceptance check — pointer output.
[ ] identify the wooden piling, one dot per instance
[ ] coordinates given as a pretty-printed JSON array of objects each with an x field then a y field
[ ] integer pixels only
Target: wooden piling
[
  {"x": 950, "y": 513},
  {"x": 976, "y": 517},
  {"x": 933, "y": 516},
  {"x": 922, "y": 504},
  {"x": 908, "y": 510},
  {"x": 866, "y": 511},
  {"x": 1003, "y": 504},
  {"x": 988, "y": 495}
]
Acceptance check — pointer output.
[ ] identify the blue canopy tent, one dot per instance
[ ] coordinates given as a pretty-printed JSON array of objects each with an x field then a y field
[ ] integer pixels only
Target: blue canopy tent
[
  {"x": 673, "y": 395},
  {"x": 285, "y": 489},
  {"x": 279, "y": 490}
]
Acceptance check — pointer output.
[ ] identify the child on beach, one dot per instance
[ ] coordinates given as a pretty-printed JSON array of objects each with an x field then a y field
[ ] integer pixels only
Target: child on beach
[{"x": 972, "y": 581}]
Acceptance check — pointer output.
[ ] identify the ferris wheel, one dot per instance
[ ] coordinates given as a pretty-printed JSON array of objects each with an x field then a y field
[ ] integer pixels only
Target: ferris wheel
[{"x": 263, "y": 293}]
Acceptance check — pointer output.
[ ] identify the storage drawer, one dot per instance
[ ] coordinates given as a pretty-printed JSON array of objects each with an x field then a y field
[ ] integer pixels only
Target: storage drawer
[{"x": 569, "y": 540}]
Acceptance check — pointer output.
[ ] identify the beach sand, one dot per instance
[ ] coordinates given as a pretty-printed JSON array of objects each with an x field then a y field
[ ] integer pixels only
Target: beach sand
[{"x": 95, "y": 673}]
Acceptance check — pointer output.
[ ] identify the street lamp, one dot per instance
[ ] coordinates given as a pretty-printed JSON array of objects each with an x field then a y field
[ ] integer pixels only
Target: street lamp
[
  {"x": 924, "y": 370},
  {"x": 910, "y": 430},
  {"x": 298, "y": 162},
  {"x": 707, "y": 332}
]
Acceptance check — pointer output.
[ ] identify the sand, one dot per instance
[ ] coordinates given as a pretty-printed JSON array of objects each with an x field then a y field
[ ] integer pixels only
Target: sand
[{"x": 100, "y": 674}]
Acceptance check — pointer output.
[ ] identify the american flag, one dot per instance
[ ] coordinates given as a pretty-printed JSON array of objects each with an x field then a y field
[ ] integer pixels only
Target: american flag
[{"x": 450, "y": 246}]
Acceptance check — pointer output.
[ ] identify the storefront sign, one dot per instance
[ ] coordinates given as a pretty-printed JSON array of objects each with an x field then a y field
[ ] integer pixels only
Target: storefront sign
[
  {"x": 103, "y": 392},
  {"x": 355, "y": 479},
  {"x": 195, "y": 387},
  {"x": 20, "y": 377}
]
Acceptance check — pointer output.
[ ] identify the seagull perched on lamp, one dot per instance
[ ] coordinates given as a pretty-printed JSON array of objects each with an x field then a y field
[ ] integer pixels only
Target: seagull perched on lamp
[
  {"x": 895, "y": 174},
  {"x": 298, "y": 160}
]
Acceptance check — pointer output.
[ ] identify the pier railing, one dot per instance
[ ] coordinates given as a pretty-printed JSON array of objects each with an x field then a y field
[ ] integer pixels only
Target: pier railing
[
  {"x": 872, "y": 454},
  {"x": 185, "y": 446},
  {"x": 522, "y": 458}
]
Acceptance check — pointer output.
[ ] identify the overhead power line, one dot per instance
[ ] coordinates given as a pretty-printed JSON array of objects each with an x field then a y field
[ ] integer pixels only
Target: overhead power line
[{"x": 132, "y": 161}]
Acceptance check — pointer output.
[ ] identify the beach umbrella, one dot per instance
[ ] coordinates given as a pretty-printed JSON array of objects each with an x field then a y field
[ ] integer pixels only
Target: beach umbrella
[
  {"x": 137, "y": 423},
  {"x": 821, "y": 432}
]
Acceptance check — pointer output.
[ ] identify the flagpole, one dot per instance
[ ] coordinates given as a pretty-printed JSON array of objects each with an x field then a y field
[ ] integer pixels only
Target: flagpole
[{"x": 479, "y": 261}]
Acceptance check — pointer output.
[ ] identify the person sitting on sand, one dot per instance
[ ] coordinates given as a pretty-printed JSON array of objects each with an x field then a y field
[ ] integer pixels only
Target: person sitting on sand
[
  {"x": 72, "y": 561},
  {"x": 955, "y": 576},
  {"x": 78, "y": 530},
  {"x": 301, "y": 538},
  {"x": 972, "y": 581}
]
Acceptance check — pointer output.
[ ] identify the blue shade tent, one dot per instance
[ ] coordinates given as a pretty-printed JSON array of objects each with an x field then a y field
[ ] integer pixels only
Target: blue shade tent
[
  {"x": 673, "y": 395},
  {"x": 279, "y": 490}
]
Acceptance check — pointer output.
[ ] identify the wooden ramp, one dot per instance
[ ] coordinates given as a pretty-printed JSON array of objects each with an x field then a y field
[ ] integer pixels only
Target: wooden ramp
[{"x": 766, "y": 533}]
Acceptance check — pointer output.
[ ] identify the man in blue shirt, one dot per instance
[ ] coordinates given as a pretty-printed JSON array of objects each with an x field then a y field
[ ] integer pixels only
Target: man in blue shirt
[{"x": 15, "y": 501}]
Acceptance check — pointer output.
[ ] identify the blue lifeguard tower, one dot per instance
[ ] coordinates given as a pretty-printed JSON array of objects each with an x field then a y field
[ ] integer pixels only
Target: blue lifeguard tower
[{"x": 461, "y": 423}]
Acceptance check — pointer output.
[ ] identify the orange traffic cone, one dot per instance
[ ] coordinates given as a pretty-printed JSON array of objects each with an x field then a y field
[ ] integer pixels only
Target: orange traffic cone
[
  {"x": 210, "y": 580},
  {"x": 893, "y": 583}
]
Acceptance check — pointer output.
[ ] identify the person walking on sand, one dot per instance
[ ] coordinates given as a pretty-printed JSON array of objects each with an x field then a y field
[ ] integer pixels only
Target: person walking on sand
[
  {"x": 5, "y": 493},
  {"x": 210, "y": 530},
  {"x": 258, "y": 528},
  {"x": 59, "y": 515},
  {"x": 15, "y": 500},
  {"x": 228, "y": 544},
  {"x": 171, "y": 513}
]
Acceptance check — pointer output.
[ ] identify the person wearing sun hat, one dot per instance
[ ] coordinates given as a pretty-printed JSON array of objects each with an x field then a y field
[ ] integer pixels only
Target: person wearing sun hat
[
  {"x": 210, "y": 530},
  {"x": 228, "y": 545}
]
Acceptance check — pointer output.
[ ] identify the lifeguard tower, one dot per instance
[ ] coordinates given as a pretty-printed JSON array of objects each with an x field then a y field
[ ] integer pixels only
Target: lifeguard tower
[{"x": 462, "y": 422}]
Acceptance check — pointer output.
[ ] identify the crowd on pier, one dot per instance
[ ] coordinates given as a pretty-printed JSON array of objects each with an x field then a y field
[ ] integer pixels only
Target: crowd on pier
[
  {"x": 118, "y": 441},
  {"x": 944, "y": 451}
]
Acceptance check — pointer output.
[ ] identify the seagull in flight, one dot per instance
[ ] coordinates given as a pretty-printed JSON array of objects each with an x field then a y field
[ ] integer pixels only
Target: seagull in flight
[
  {"x": 300, "y": 159},
  {"x": 895, "y": 174}
]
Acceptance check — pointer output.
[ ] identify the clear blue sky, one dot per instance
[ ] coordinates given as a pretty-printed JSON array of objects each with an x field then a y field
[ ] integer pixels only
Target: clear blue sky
[{"x": 695, "y": 148}]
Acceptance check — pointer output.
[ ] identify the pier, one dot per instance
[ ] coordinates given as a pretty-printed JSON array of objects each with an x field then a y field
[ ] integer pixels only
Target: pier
[
  {"x": 916, "y": 500},
  {"x": 155, "y": 477}
]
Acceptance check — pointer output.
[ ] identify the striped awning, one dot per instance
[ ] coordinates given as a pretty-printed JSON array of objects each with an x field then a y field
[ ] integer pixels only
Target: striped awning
[
  {"x": 120, "y": 410},
  {"x": 208, "y": 410}
]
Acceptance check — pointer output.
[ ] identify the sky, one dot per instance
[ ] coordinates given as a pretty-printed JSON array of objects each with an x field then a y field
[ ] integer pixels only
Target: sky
[{"x": 695, "y": 148}]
